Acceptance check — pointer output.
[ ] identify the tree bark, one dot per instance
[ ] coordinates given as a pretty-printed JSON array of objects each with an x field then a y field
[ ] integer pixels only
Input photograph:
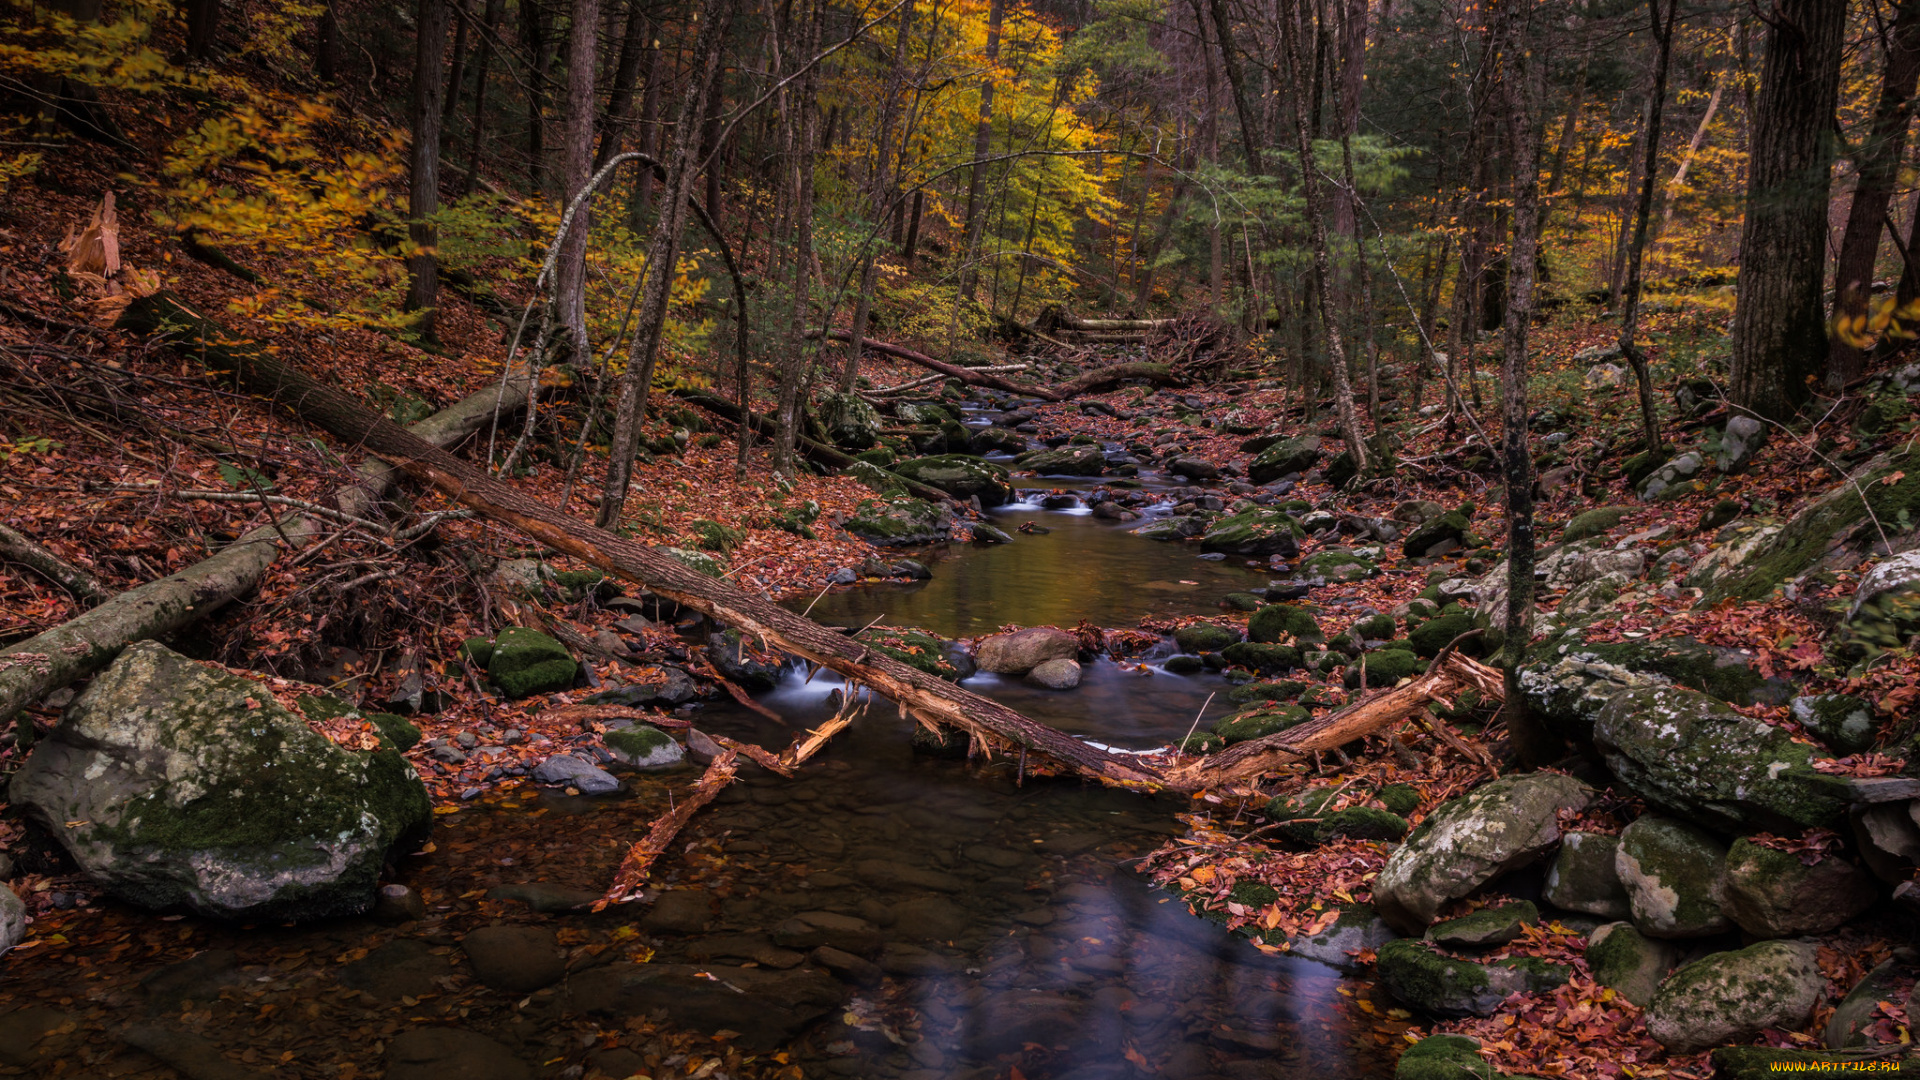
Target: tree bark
[
  {"x": 1517, "y": 82},
  {"x": 1322, "y": 264},
  {"x": 423, "y": 289},
  {"x": 1878, "y": 166},
  {"x": 570, "y": 275},
  {"x": 1779, "y": 329},
  {"x": 203, "y": 25},
  {"x": 982, "y": 142},
  {"x": 662, "y": 253},
  {"x": 635, "y": 64},
  {"x": 495, "y": 10},
  {"x": 929, "y": 699},
  {"x": 1251, "y": 130},
  {"x": 1643, "y": 214}
]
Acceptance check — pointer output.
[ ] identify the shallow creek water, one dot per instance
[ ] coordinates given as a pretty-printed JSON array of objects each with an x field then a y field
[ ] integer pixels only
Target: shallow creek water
[{"x": 1013, "y": 938}]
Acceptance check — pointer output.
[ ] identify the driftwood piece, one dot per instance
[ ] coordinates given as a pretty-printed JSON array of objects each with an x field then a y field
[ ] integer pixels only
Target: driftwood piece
[
  {"x": 927, "y": 698},
  {"x": 1449, "y": 674},
  {"x": 20, "y": 548},
  {"x": 632, "y": 875},
  {"x": 1098, "y": 379}
]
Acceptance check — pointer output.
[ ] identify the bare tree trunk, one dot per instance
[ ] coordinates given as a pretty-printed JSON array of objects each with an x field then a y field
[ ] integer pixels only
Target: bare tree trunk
[
  {"x": 1779, "y": 328},
  {"x": 635, "y": 64},
  {"x": 1642, "y": 214},
  {"x": 982, "y": 142},
  {"x": 803, "y": 128},
  {"x": 1251, "y": 131},
  {"x": 203, "y": 25},
  {"x": 570, "y": 273},
  {"x": 535, "y": 35},
  {"x": 662, "y": 252},
  {"x": 1317, "y": 229},
  {"x": 1878, "y": 166},
  {"x": 423, "y": 289},
  {"x": 657, "y": 75},
  {"x": 1518, "y": 81},
  {"x": 879, "y": 191},
  {"x": 326, "y": 44},
  {"x": 458, "y": 73},
  {"x": 1679, "y": 180},
  {"x": 495, "y": 10}
]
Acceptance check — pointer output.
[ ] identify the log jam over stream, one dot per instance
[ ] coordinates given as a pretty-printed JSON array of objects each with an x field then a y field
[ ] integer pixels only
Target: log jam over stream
[{"x": 887, "y": 913}]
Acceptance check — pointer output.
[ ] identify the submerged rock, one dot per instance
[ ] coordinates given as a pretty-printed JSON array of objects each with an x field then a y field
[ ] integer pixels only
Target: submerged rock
[
  {"x": 1023, "y": 650},
  {"x": 1359, "y": 927},
  {"x": 175, "y": 784},
  {"x": 1732, "y": 996},
  {"x": 1472, "y": 839},
  {"x": 1061, "y": 674},
  {"x": 767, "y": 1007}
]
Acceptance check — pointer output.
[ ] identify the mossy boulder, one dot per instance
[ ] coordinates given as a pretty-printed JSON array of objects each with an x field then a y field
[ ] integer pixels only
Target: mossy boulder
[
  {"x": 875, "y": 477},
  {"x": 1259, "y": 721},
  {"x": 1437, "y": 633},
  {"x": 1261, "y": 658},
  {"x": 1732, "y": 996},
  {"x": 1358, "y": 928},
  {"x": 1378, "y": 627},
  {"x": 477, "y": 651},
  {"x": 1266, "y": 691},
  {"x": 1630, "y": 962},
  {"x": 700, "y": 562},
  {"x": 1451, "y": 526},
  {"x": 961, "y": 476},
  {"x": 1332, "y": 568},
  {"x": 1360, "y": 823},
  {"x": 1583, "y": 877},
  {"x": 1285, "y": 458},
  {"x": 1414, "y": 973},
  {"x": 1495, "y": 925},
  {"x": 1885, "y": 613},
  {"x": 851, "y": 423},
  {"x": 1242, "y": 601},
  {"x": 1773, "y": 894},
  {"x": 642, "y": 747},
  {"x": 900, "y": 521},
  {"x": 396, "y": 732},
  {"x": 1567, "y": 679},
  {"x": 1671, "y": 872},
  {"x": 1284, "y": 623},
  {"x": 997, "y": 440},
  {"x": 923, "y": 413},
  {"x": 175, "y": 784},
  {"x": 1472, "y": 839},
  {"x": 1445, "y": 1057},
  {"x": 1842, "y": 721},
  {"x": 527, "y": 662},
  {"x": 1204, "y": 637},
  {"x": 1256, "y": 533},
  {"x": 1401, "y": 799},
  {"x": 1069, "y": 460},
  {"x": 1891, "y": 484},
  {"x": 917, "y": 649},
  {"x": 1696, "y": 758},
  {"x": 1384, "y": 667},
  {"x": 1595, "y": 522},
  {"x": 1305, "y": 803}
]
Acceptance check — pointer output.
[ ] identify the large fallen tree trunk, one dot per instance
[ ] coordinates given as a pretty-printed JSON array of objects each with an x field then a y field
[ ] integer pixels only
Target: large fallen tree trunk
[
  {"x": 930, "y": 700},
  {"x": 814, "y": 449},
  {"x": 86, "y": 644},
  {"x": 1110, "y": 325},
  {"x": 1449, "y": 674},
  {"x": 1091, "y": 381}
]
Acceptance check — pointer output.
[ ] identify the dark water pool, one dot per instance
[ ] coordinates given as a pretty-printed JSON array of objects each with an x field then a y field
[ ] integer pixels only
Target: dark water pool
[{"x": 992, "y": 924}]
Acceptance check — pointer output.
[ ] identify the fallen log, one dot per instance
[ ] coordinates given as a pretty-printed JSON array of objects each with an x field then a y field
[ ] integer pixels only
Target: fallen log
[
  {"x": 928, "y": 699},
  {"x": 87, "y": 643},
  {"x": 1449, "y": 673},
  {"x": 1089, "y": 382},
  {"x": 20, "y": 548}
]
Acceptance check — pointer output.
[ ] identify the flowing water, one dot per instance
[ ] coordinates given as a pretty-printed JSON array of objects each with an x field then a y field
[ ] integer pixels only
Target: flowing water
[{"x": 1013, "y": 936}]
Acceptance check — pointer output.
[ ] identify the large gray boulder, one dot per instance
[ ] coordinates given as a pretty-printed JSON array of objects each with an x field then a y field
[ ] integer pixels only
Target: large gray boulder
[
  {"x": 1743, "y": 438},
  {"x": 1731, "y": 996},
  {"x": 961, "y": 476},
  {"x": 1023, "y": 650},
  {"x": 1885, "y": 613},
  {"x": 1631, "y": 963},
  {"x": 176, "y": 784},
  {"x": 1469, "y": 841},
  {"x": 1679, "y": 470},
  {"x": 1256, "y": 533},
  {"x": 1070, "y": 460},
  {"x": 1359, "y": 927},
  {"x": 1671, "y": 872},
  {"x": 1772, "y": 894},
  {"x": 1583, "y": 877},
  {"x": 851, "y": 423},
  {"x": 1285, "y": 458},
  {"x": 1697, "y": 758},
  {"x": 13, "y": 919}
]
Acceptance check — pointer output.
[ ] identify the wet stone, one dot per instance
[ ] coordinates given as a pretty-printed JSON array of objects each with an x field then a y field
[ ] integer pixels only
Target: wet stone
[
  {"x": 812, "y": 929},
  {"x": 847, "y": 967},
  {"x": 32, "y": 1035},
  {"x": 402, "y": 968},
  {"x": 757, "y": 948},
  {"x": 436, "y": 1053},
  {"x": 680, "y": 911},
  {"x": 516, "y": 959},
  {"x": 544, "y": 897}
]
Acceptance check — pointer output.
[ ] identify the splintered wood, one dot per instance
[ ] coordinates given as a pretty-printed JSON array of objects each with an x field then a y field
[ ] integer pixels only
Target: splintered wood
[
  {"x": 1449, "y": 674},
  {"x": 632, "y": 875}
]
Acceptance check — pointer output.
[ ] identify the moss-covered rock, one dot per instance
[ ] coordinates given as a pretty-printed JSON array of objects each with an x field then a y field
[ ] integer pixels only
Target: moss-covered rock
[
  {"x": 1360, "y": 823},
  {"x": 1671, "y": 872},
  {"x": 1284, "y": 623},
  {"x": 700, "y": 562},
  {"x": 1256, "y": 533},
  {"x": 1259, "y": 721},
  {"x": 1594, "y": 522},
  {"x": 1630, "y": 962},
  {"x": 1583, "y": 877},
  {"x": 1069, "y": 460},
  {"x": 1701, "y": 761},
  {"x": 1332, "y": 567},
  {"x": 527, "y": 662},
  {"x": 1495, "y": 925},
  {"x": 1242, "y": 601},
  {"x": 900, "y": 521},
  {"x": 915, "y": 648},
  {"x": 1567, "y": 680},
  {"x": 1401, "y": 799},
  {"x": 1358, "y": 928},
  {"x": 851, "y": 423},
  {"x": 642, "y": 747},
  {"x": 1204, "y": 637},
  {"x": 1379, "y": 627},
  {"x": 1470, "y": 840},
  {"x": 1437, "y": 633},
  {"x": 1842, "y": 721},
  {"x": 1384, "y": 667},
  {"x": 1305, "y": 803},
  {"x": 1731, "y": 996},
  {"x": 1445, "y": 1057},
  {"x": 175, "y": 784},
  {"x": 876, "y": 478},
  {"x": 961, "y": 476},
  {"x": 1266, "y": 691},
  {"x": 1450, "y": 526},
  {"x": 1885, "y": 613},
  {"x": 1414, "y": 973},
  {"x": 477, "y": 651},
  {"x": 1772, "y": 894},
  {"x": 1262, "y": 659},
  {"x": 923, "y": 413},
  {"x": 396, "y": 731},
  {"x": 1285, "y": 458}
]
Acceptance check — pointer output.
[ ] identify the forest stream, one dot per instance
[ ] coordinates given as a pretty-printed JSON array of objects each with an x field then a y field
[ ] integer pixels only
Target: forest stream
[{"x": 1007, "y": 934}]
